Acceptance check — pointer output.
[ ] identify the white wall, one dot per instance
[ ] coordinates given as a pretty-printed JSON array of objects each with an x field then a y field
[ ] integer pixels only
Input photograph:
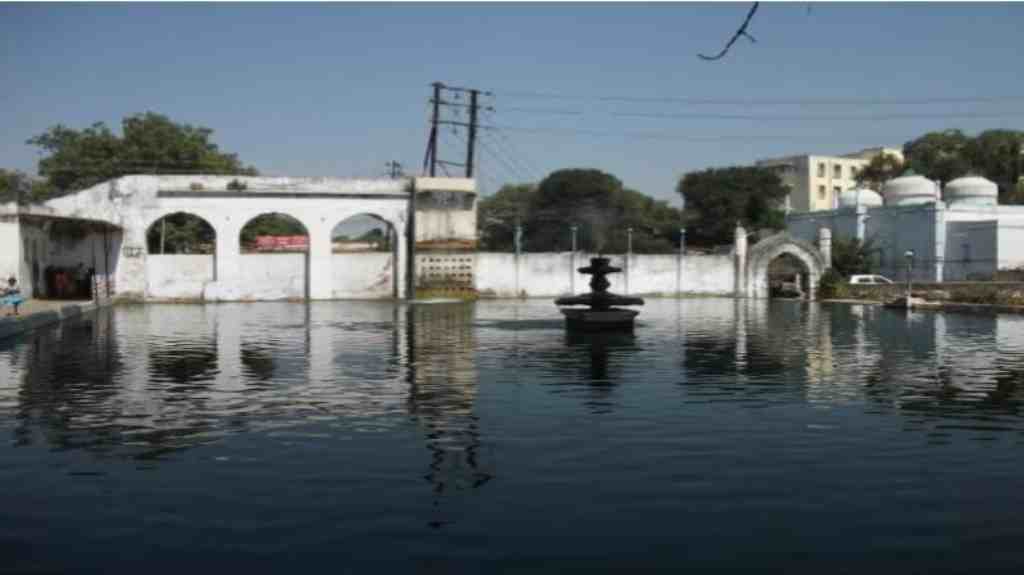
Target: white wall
[
  {"x": 550, "y": 275},
  {"x": 178, "y": 276},
  {"x": 1010, "y": 251},
  {"x": 269, "y": 276},
  {"x": 362, "y": 275},
  {"x": 971, "y": 250}
]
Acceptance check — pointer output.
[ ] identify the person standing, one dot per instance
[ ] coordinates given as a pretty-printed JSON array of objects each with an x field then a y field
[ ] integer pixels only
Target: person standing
[{"x": 12, "y": 296}]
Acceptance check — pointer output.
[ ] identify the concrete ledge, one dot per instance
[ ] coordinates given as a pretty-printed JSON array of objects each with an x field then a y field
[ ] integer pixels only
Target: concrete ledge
[{"x": 16, "y": 325}]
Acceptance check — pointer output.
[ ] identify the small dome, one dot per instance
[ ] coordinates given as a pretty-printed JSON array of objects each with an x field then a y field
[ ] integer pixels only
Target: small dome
[
  {"x": 859, "y": 197},
  {"x": 910, "y": 190},
  {"x": 971, "y": 190}
]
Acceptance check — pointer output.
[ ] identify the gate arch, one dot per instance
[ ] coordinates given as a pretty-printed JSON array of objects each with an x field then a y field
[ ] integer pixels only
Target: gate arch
[{"x": 759, "y": 257}]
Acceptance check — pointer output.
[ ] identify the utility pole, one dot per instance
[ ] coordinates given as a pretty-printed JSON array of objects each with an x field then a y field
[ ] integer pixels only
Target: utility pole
[
  {"x": 471, "y": 144},
  {"x": 394, "y": 169},
  {"x": 431, "y": 161},
  {"x": 431, "y": 157}
]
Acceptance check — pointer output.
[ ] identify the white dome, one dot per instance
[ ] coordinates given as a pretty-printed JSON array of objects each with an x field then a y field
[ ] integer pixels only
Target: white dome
[
  {"x": 910, "y": 190},
  {"x": 971, "y": 190},
  {"x": 859, "y": 197}
]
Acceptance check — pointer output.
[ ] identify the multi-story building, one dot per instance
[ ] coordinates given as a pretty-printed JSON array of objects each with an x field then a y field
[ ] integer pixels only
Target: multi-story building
[{"x": 815, "y": 182}]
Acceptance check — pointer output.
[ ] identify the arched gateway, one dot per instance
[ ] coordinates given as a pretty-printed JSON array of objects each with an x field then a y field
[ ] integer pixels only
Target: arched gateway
[{"x": 752, "y": 266}]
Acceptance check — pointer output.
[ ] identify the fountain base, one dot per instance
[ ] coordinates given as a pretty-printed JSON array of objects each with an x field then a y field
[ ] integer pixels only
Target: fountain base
[{"x": 599, "y": 320}]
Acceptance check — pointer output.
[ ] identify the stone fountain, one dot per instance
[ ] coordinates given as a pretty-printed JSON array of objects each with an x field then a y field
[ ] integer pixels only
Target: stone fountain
[{"x": 601, "y": 315}]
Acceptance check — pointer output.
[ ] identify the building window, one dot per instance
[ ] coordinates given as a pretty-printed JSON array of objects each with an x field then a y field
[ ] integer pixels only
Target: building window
[
  {"x": 836, "y": 190},
  {"x": 821, "y": 192},
  {"x": 837, "y": 171},
  {"x": 821, "y": 169},
  {"x": 853, "y": 172}
]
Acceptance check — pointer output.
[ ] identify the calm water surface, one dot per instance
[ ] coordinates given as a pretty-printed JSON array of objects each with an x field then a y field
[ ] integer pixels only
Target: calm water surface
[{"x": 448, "y": 438}]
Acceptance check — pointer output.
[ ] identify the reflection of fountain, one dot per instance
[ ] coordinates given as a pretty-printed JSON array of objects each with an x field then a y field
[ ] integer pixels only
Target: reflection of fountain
[{"x": 601, "y": 315}]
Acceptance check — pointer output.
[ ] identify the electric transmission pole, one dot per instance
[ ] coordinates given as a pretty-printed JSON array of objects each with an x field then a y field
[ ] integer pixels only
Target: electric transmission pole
[
  {"x": 394, "y": 169},
  {"x": 430, "y": 161},
  {"x": 471, "y": 143}
]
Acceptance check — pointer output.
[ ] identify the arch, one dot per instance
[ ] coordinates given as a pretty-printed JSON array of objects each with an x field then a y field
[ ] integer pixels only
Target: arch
[
  {"x": 274, "y": 250},
  {"x": 273, "y": 225},
  {"x": 181, "y": 232},
  {"x": 755, "y": 270},
  {"x": 364, "y": 257}
]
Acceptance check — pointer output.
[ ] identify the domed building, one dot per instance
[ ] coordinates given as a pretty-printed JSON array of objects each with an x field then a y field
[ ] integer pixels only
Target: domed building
[{"x": 956, "y": 231}]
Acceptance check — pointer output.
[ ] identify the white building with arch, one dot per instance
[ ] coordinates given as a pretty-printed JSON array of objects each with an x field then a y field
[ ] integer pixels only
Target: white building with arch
[{"x": 956, "y": 232}]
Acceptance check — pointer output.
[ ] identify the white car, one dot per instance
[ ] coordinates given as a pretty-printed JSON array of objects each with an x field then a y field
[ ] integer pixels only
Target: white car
[{"x": 869, "y": 279}]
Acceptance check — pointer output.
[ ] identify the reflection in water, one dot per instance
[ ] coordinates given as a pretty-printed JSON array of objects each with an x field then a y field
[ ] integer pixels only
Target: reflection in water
[
  {"x": 599, "y": 359},
  {"x": 364, "y": 427},
  {"x": 442, "y": 390}
]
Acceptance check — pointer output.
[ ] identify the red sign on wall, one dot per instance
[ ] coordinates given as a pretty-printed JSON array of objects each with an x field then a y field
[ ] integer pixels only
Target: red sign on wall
[{"x": 272, "y": 243}]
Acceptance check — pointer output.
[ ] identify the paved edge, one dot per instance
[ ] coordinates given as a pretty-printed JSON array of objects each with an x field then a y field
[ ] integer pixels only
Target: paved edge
[{"x": 11, "y": 326}]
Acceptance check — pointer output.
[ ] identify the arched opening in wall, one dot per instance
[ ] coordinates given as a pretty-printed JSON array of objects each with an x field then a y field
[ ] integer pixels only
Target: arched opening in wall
[
  {"x": 274, "y": 260},
  {"x": 364, "y": 257},
  {"x": 788, "y": 277},
  {"x": 181, "y": 233},
  {"x": 182, "y": 258}
]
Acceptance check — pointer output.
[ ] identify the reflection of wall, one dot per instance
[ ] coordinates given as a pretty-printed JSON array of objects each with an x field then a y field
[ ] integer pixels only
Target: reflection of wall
[{"x": 442, "y": 392}]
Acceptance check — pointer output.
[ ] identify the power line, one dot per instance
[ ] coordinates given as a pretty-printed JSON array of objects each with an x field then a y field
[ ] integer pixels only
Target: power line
[
  {"x": 651, "y": 135},
  {"x": 709, "y": 101},
  {"x": 512, "y": 156}
]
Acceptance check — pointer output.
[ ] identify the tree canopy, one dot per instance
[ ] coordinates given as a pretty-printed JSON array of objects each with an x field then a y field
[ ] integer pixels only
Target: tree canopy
[
  {"x": 718, "y": 198},
  {"x": 597, "y": 203},
  {"x": 994, "y": 154},
  {"x": 149, "y": 143},
  {"x": 881, "y": 168}
]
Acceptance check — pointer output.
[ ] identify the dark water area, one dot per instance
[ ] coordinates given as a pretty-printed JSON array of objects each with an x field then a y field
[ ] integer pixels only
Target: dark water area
[{"x": 465, "y": 438}]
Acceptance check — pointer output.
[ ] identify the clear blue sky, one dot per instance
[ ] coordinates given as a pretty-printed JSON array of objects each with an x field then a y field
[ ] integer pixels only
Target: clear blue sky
[{"x": 340, "y": 89}]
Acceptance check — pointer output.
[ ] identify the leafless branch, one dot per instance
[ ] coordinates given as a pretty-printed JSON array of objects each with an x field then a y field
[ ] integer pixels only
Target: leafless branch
[{"x": 741, "y": 32}]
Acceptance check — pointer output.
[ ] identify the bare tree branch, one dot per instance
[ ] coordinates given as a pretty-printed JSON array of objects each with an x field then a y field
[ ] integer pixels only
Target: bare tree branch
[{"x": 741, "y": 32}]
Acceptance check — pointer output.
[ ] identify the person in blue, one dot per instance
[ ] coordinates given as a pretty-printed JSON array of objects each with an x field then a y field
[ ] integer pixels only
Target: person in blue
[{"x": 12, "y": 295}]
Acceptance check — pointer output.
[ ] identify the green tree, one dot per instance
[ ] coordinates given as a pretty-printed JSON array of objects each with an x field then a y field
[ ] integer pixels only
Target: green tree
[
  {"x": 181, "y": 233},
  {"x": 271, "y": 225},
  {"x": 996, "y": 154},
  {"x": 718, "y": 198},
  {"x": 940, "y": 156},
  {"x": 881, "y": 168},
  {"x": 582, "y": 197},
  {"x": 851, "y": 256},
  {"x": 16, "y": 186},
  {"x": 498, "y": 215},
  {"x": 150, "y": 143},
  {"x": 595, "y": 202}
]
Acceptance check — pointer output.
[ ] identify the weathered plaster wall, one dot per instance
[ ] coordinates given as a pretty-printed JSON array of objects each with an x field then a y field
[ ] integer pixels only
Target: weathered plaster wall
[
  {"x": 551, "y": 274},
  {"x": 270, "y": 276},
  {"x": 368, "y": 275},
  {"x": 178, "y": 276},
  {"x": 971, "y": 250}
]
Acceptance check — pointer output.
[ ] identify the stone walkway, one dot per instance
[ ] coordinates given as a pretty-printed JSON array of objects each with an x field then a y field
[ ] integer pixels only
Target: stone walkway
[{"x": 36, "y": 313}]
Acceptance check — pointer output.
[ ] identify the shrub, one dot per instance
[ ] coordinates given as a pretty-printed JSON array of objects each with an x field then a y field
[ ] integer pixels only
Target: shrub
[{"x": 831, "y": 284}]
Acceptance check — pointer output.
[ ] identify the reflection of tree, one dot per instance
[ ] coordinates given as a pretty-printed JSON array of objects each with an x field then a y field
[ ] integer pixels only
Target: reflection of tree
[
  {"x": 442, "y": 392},
  {"x": 183, "y": 362},
  {"x": 257, "y": 362}
]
